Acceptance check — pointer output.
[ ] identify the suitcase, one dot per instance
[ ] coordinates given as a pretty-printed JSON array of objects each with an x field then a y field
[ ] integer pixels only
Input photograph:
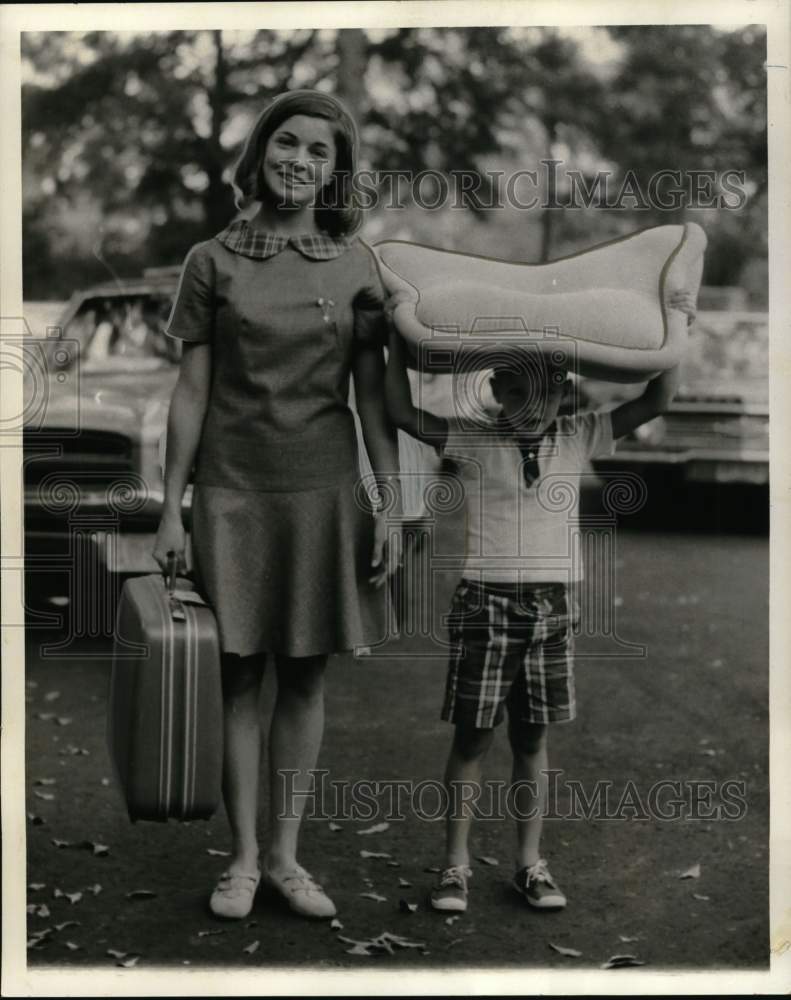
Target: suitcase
[{"x": 164, "y": 722}]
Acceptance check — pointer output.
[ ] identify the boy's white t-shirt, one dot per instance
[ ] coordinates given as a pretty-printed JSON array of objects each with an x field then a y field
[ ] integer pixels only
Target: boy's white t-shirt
[{"x": 515, "y": 533}]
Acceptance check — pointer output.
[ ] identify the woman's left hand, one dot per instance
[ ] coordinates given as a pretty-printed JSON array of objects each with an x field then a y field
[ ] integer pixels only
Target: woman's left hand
[{"x": 387, "y": 550}]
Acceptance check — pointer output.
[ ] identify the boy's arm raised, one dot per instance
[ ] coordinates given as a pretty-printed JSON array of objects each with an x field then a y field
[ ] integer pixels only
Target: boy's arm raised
[
  {"x": 655, "y": 400},
  {"x": 660, "y": 391},
  {"x": 420, "y": 424}
]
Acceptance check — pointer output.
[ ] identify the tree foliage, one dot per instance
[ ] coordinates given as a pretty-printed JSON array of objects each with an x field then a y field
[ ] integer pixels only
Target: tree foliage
[{"x": 128, "y": 139}]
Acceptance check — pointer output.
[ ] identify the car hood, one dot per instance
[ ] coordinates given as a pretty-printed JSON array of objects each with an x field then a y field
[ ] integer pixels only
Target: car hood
[{"x": 131, "y": 403}]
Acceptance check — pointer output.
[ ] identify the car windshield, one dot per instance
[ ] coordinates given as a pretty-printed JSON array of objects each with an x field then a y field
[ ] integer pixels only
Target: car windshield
[{"x": 118, "y": 333}]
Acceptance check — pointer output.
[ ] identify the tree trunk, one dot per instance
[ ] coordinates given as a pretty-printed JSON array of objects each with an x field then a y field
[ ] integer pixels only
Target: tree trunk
[
  {"x": 218, "y": 199},
  {"x": 351, "y": 45}
]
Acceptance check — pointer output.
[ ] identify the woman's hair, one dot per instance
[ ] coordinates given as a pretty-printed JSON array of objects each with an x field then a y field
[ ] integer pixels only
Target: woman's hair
[{"x": 336, "y": 213}]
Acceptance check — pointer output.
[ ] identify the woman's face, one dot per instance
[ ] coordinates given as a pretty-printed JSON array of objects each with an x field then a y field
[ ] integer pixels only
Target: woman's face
[{"x": 299, "y": 159}]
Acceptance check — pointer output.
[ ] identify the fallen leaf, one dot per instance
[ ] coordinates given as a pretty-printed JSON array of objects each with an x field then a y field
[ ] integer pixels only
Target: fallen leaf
[
  {"x": 32, "y": 684},
  {"x": 708, "y": 752},
  {"x": 73, "y": 897},
  {"x": 64, "y": 720},
  {"x": 128, "y": 963},
  {"x": 95, "y": 888},
  {"x": 373, "y": 854},
  {"x": 36, "y": 939},
  {"x": 403, "y": 884},
  {"x": 45, "y": 781},
  {"x": 141, "y": 894},
  {"x": 393, "y": 864},
  {"x": 384, "y": 942},
  {"x": 106, "y": 783},
  {"x": 72, "y": 946},
  {"x": 406, "y": 907},
  {"x": 373, "y": 895},
  {"x": 433, "y": 870},
  {"x": 115, "y": 954},
  {"x": 212, "y": 933},
  {"x": 65, "y": 924},
  {"x": 31, "y": 907},
  {"x": 376, "y": 828},
  {"x": 398, "y": 941},
  {"x": 217, "y": 854},
  {"x": 100, "y": 850},
  {"x": 52, "y": 696},
  {"x": 359, "y": 949},
  {"x": 61, "y": 844},
  {"x": 335, "y": 827},
  {"x": 36, "y": 820},
  {"x": 693, "y": 872},
  {"x": 36, "y": 886},
  {"x": 450, "y": 921},
  {"x": 46, "y": 796},
  {"x": 703, "y": 899},
  {"x": 625, "y": 939},
  {"x": 252, "y": 948},
  {"x": 42, "y": 910},
  {"x": 45, "y": 716},
  {"x": 72, "y": 751},
  {"x": 335, "y": 924},
  {"x": 251, "y": 923},
  {"x": 568, "y": 952},
  {"x": 621, "y": 962},
  {"x": 486, "y": 860}
]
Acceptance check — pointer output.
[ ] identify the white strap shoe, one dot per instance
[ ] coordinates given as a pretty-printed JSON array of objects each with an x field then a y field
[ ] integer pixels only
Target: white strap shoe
[
  {"x": 234, "y": 895},
  {"x": 302, "y": 893}
]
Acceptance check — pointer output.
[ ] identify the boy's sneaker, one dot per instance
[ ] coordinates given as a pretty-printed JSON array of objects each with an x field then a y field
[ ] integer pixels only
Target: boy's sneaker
[
  {"x": 538, "y": 887},
  {"x": 450, "y": 892}
]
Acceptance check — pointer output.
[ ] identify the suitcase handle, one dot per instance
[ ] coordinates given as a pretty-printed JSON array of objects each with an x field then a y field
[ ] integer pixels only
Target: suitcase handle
[{"x": 170, "y": 572}]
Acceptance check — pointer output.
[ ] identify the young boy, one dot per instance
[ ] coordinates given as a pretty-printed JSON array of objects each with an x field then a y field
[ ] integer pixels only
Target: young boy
[{"x": 512, "y": 616}]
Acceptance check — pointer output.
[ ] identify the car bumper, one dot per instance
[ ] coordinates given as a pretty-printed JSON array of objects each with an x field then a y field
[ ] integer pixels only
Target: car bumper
[{"x": 721, "y": 467}]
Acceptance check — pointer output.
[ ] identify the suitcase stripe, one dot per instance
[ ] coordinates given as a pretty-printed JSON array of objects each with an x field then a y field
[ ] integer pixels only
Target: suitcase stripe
[
  {"x": 165, "y": 703},
  {"x": 195, "y": 681},
  {"x": 190, "y": 726}
]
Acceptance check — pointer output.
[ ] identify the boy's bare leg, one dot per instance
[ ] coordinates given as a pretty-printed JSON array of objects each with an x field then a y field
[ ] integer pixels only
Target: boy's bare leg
[
  {"x": 463, "y": 781},
  {"x": 529, "y": 746}
]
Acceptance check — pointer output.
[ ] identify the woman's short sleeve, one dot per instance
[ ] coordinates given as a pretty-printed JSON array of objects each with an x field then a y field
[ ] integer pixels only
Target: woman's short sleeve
[
  {"x": 370, "y": 326},
  {"x": 192, "y": 315}
]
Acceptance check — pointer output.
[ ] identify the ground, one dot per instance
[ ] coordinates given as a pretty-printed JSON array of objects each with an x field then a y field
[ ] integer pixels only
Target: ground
[{"x": 693, "y": 709}]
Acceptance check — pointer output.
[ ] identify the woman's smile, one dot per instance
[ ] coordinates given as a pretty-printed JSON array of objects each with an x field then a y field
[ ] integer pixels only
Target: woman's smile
[{"x": 299, "y": 159}]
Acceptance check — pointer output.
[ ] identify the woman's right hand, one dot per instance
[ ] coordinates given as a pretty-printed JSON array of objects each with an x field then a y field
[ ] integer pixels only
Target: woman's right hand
[{"x": 172, "y": 538}]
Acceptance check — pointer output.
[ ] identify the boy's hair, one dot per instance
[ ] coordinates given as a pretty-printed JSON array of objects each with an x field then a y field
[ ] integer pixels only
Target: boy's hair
[{"x": 336, "y": 212}]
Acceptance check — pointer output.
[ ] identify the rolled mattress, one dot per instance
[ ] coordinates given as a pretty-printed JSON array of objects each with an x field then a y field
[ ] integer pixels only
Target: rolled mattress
[{"x": 602, "y": 311}]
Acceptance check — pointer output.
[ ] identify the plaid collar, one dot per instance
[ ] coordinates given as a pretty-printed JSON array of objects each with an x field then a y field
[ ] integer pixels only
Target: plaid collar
[{"x": 241, "y": 238}]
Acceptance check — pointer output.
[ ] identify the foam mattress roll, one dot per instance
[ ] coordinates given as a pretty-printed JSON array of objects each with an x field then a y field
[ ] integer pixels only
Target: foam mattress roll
[{"x": 602, "y": 311}]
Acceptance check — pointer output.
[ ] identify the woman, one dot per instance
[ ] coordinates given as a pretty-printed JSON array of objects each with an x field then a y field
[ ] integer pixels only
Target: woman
[{"x": 275, "y": 315}]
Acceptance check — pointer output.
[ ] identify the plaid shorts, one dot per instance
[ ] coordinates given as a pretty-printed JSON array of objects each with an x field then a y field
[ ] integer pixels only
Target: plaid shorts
[{"x": 510, "y": 645}]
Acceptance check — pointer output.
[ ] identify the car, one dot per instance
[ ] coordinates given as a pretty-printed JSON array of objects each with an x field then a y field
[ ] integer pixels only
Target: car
[
  {"x": 94, "y": 448},
  {"x": 717, "y": 427}
]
